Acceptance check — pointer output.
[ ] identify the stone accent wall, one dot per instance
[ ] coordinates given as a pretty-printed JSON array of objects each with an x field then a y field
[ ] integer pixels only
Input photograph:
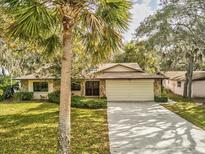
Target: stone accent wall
[
  {"x": 82, "y": 88},
  {"x": 157, "y": 87},
  {"x": 102, "y": 88},
  {"x": 24, "y": 85},
  {"x": 56, "y": 85}
]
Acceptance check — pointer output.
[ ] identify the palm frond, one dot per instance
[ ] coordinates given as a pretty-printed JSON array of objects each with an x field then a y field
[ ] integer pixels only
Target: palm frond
[
  {"x": 100, "y": 47},
  {"x": 115, "y": 13},
  {"x": 32, "y": 21},
  {"x": 16, "y": 3},
  {"x": 91, "y": 22},
  {"x": 52, "y": 44},
  {"x": 100, "y": 25},
  {"x": 97, "y": 23}
]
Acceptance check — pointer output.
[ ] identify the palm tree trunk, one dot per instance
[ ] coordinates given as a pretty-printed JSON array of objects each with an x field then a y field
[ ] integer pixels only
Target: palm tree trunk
[
  {"x": 190, "y": 77},
  {"x": 65, "y": 93}
]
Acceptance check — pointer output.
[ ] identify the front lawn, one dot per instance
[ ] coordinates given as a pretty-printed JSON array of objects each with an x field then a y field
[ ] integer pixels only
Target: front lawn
[
  {"x": 31, "y": 127},
  {"x": 189, "y": 110}
]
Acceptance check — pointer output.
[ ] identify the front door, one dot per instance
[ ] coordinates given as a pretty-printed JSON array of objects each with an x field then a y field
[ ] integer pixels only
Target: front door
[{"x": 92, "y": 88}]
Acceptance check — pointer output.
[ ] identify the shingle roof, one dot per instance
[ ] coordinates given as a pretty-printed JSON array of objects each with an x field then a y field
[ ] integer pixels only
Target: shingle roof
[
  {"x": 35, "y": 77},
  {"x": 134, "y": 66},
  {"x": 174, "y": 74},
  {"x": 126, "y": 75},
  {"x": 180, "y": 75},
  {"x": 100, "y": 74},
  {"x": 138, "y": 73}
]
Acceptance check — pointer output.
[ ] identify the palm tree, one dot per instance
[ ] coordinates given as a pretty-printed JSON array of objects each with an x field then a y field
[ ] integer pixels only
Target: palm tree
[{"x": 97, "y": 24}]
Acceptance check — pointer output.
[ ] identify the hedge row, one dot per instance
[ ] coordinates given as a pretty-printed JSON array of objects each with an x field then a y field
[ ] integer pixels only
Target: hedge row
[
  {"x": 23, "y": 96},
  {"x": 79, "y": 102},
  {"x": 161, "y": 99}
]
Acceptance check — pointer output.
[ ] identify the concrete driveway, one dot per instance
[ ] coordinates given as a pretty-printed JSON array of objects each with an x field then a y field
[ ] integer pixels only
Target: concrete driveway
[{"x": 148, "y": 128}]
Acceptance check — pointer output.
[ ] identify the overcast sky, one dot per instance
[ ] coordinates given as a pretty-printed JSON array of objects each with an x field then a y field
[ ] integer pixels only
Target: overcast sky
[{"x": 140, "y": 10}]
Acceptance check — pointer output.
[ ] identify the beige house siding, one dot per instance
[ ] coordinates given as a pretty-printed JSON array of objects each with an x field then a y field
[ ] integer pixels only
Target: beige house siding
[
  {"x": 119, "y": 69},
  {"x": 172, "y": 85},
  {"x": 24, "y": 85},
  {"x": 130, "y": 90},
  {"x": 56, "y": 85},
  {"x": 198, "y": 88},
  {"x": 37, "y": 95},
  {"x": 53, "y": 85},
  {"x": 129, "y": 83},
  {"x": 76, "y": 93},
  {"x": 135, "y": 89}
]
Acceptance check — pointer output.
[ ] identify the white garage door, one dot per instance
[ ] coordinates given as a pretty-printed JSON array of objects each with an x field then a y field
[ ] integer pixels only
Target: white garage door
[{"x": 130, "y": 90}]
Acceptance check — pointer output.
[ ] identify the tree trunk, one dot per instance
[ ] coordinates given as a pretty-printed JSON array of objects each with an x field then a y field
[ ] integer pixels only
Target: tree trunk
[
  {"x": 190, "y": 77},
  {"x": 186, "y": 83},
  {"x": 65, "y": 93},
  {"x": 3, "y": 71}
]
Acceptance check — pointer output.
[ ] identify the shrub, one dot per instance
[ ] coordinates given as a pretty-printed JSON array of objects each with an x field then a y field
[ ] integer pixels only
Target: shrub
[
  {"x": 54, "y": 97},
  {"x": 6, "y": 93},
  {"x": 6, "y": 90},
  {"x": 79, "y": 102},
  {"x": 2, "y": 98},
  {"x": 24, "y": 96},
  {"x": 1, "y": 95},
  {"x": 104, "y": 97},
  {"x": 161, "y": 99},
  {"x": 92, "y": 103}
]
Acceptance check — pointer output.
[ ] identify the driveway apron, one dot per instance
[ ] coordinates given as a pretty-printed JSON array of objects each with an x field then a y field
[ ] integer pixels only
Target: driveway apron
[{"x": 149, "y": 128}]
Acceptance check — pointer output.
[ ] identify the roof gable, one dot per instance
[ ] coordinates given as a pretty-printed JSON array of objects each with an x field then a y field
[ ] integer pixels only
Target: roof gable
[
  {"x": 120, "y": 67},
  {"x": 180, "y": 75}
]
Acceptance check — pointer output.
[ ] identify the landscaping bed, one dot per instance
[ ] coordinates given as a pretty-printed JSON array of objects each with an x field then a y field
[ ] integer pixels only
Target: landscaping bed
[
  {"x": 80, "y": 102},
  {"x": 92, "y": 103},
  {"x": 31, "y": 127}
]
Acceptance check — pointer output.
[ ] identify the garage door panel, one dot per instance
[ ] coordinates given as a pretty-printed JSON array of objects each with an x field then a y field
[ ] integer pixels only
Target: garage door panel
[{"x": 129, "y": 90}]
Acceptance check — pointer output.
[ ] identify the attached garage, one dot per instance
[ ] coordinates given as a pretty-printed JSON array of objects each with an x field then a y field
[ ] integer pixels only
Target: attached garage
[{"x": 130, "y": 90}]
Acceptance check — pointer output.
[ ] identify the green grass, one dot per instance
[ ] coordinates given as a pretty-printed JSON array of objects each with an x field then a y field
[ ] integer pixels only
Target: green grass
[
  {"x": 31, "y": 127},
  {"x": 189, "y": 110},
  {"x": 175, "y": 97}
]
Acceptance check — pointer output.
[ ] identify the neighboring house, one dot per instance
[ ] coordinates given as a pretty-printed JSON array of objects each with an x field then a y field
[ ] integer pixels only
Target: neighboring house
[
  {"x": 116, "y": 81},
  {"x": 176, "y": 80}
]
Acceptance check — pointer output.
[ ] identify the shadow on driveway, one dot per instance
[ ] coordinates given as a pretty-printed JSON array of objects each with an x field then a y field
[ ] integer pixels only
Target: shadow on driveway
[{"x": 149, "y": 128}]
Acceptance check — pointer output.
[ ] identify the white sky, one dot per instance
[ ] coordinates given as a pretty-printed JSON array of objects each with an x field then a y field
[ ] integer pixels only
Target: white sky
[{"x": 140, "y": 10}]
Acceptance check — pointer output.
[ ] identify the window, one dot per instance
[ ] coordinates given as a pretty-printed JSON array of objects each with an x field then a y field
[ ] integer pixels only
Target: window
[
  {"x": 92, "y": 88},
  {"x": 179, "y": 84},
  {"x": 40, "y": 86},
  {"x": 75, "y": 86}
]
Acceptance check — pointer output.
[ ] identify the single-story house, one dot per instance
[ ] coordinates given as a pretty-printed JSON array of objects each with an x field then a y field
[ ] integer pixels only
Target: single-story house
[
  {"x": 176, "y": 80},
  {"x": 116, "y": 81}
]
